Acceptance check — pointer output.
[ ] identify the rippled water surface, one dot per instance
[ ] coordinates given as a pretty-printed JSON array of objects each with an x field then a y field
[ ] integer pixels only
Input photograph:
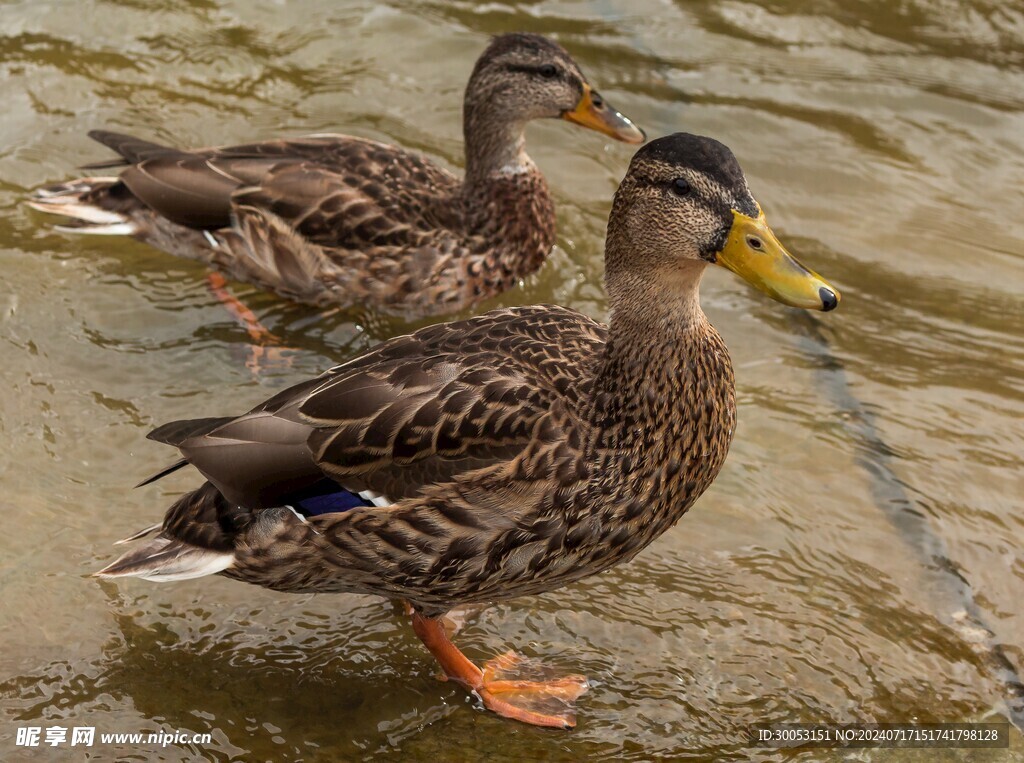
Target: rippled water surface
[{"x": 860, "y": 557}]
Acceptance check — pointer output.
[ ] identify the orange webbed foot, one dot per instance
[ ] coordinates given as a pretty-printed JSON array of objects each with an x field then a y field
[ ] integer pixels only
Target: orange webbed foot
[
  {"x": 502, "y": 685},
  {"x": 549, "y": 702}
]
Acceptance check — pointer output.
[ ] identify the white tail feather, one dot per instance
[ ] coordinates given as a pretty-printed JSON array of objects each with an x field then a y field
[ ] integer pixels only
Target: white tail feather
[
  {"x": 70, "y": 207},
  {"x": 66, "y": 200},
  {"x": 74, "y": 188},
  {"x": 116, "y": 229},
  {"x": 163, "y": 560}
]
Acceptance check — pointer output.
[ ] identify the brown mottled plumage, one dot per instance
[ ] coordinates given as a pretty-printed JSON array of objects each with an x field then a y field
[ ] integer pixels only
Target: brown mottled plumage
[
  {"x": 333, "y": 219},
  {"x": 518, "y": 451}
]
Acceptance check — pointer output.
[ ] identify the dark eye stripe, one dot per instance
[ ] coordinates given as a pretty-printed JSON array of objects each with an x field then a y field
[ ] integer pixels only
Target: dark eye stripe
[{"x": 541, "y": 71}]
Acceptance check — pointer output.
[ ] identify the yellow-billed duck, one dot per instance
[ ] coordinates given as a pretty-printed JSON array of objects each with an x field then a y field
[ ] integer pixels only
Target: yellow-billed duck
[
  {"x": 508, "y": 454},
  {"x": 338, "y": 220}
]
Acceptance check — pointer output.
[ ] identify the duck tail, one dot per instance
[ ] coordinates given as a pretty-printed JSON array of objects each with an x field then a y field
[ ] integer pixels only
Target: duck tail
[
  {"x": 90, "y": 204},
  {"x": 165, "y": 560},
  {"x": 196, "y": 538},
  {"x": 130, "y": 150}
]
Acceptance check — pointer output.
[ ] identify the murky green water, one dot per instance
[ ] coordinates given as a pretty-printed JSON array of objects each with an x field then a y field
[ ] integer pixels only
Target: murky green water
[{"x": 846, "y": 565}]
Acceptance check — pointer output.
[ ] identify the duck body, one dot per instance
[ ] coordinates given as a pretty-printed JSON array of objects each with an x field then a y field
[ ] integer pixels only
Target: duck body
[
  {"x": 329, "y": 220},
  {"x": 340, "y": 220},
  {"x": 530, "y": 469},
  {"x": 503, "y": 455}
]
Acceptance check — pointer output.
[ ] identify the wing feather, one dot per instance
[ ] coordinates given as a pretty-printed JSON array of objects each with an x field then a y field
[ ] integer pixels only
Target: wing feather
[{"x": 415, "y": 411}]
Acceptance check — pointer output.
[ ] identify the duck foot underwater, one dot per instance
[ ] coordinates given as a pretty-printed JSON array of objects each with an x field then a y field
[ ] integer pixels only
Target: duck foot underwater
[{"x": 267, "y": 349}]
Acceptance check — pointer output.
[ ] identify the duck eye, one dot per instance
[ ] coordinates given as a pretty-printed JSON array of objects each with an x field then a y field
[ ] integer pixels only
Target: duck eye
[
  {"x": 548, "y": 71},
  {"x": 680, "y": 186}
]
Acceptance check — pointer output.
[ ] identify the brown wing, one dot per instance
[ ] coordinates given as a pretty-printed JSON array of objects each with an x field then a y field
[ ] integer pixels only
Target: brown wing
[
  {"x": 191, "y": 189},
  {"x": 416, "y": 410},
  {"x": 343, "y": 192},
  {"x": 336, "y": 190},
  {"x": 496, "y": 532}
]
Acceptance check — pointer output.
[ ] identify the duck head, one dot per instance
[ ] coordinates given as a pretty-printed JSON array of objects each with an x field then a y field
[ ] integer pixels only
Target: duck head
[
  {"x": 684, "y": 204},
  {"x": 522, "y": 77}
]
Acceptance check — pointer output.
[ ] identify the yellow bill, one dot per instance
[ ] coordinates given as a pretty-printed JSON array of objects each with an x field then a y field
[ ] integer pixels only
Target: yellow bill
[
  {"x": 594, "y": 112},
  {"x": 754, "y": 254}
]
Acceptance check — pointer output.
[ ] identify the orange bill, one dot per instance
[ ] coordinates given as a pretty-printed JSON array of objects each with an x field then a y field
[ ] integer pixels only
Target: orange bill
[{"x": 595, "y": 112}]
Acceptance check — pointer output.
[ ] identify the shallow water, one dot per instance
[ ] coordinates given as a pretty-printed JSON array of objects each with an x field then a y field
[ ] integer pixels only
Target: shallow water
[{"x": 859, "y": 559}]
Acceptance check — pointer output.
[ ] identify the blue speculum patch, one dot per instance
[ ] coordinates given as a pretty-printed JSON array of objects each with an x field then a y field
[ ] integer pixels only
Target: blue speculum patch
[{"x": 331, "y": 503}]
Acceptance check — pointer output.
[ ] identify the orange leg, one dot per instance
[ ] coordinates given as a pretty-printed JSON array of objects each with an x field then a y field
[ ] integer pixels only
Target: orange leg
[
  {"x": 541, "y": 703},
  {"x": 267, "y": 345},
  {"x": 259, "y": 333}
]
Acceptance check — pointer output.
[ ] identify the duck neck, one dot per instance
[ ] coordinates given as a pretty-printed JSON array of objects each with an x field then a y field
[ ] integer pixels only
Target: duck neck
[
  {"x": 495, "y": 145},
  {"x": 505, "y": 202},
  {"x": 663, "y": 408},
  {"x": 661, "y": 353},
  {"x": 655, "y": 318}
]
